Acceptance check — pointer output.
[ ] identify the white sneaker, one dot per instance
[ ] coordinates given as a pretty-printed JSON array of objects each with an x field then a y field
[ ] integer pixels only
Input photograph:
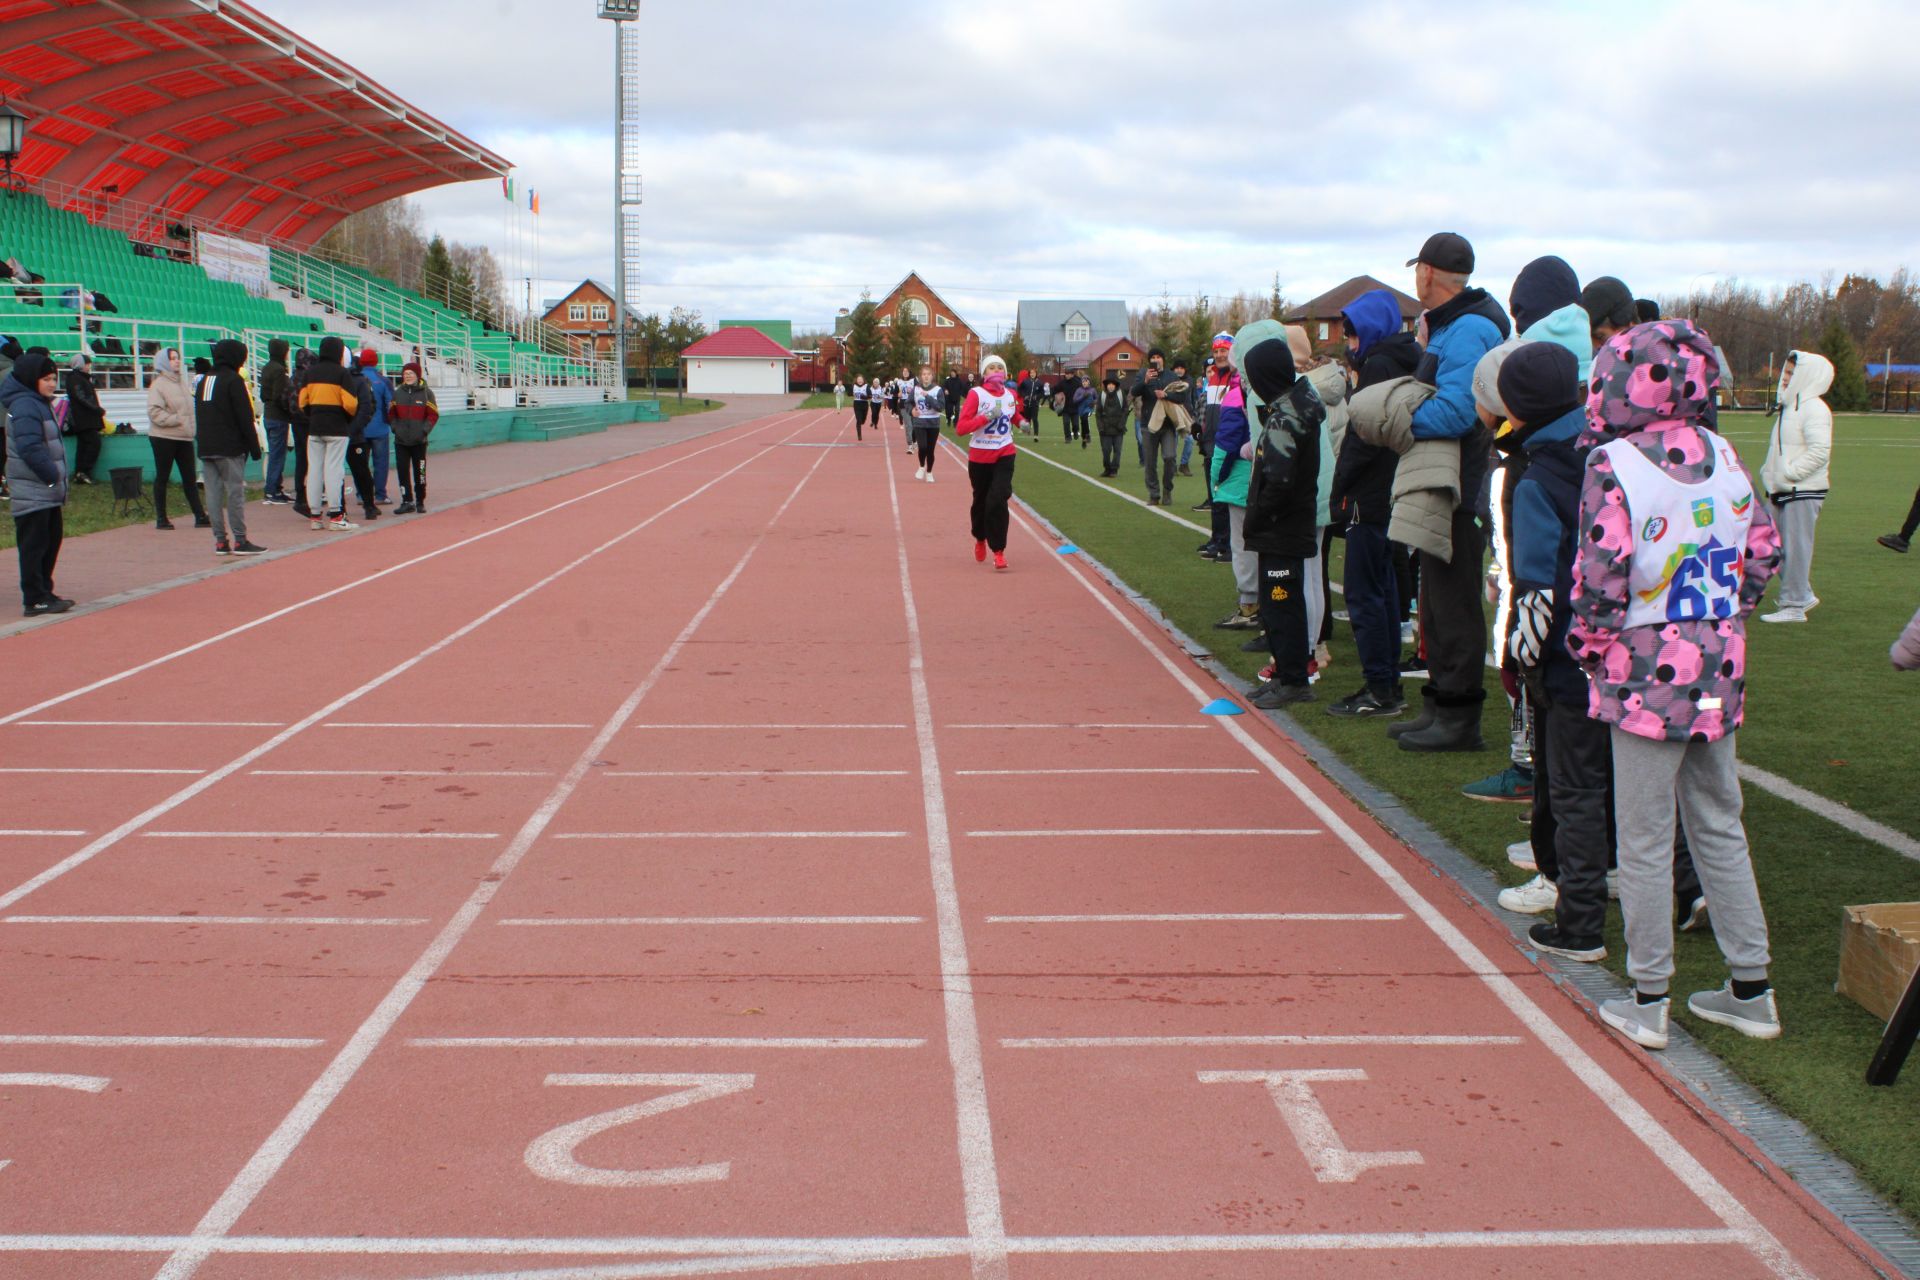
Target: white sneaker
[
  {"x": 1530, "y": 899},
  {"x": 919, "y": 473},
  {"x": 1520, "y": 854},
  {"x": 1613, "y": 886},
  {"x": 341, "y": 524},
  {"x": 1785, "y": 614},
  {"x": 929, "y": 477}
]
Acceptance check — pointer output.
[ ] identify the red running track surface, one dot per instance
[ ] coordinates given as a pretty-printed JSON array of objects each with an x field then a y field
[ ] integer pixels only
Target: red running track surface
[{"x": 704, "y": 867}]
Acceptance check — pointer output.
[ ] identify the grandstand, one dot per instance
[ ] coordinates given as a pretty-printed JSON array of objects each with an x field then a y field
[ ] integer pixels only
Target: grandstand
[{"x": 183, "y": 157}]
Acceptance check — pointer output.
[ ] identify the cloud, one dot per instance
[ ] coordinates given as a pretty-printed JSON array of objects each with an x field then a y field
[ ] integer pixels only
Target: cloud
[{"x": 795, "y": 154}]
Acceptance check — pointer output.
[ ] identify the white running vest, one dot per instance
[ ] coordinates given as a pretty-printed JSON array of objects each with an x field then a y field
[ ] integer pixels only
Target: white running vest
[
  {"x": 1689, "y": 540},
  {"x": 926, "y": 401},
  {"x": 998, "y": 434}
]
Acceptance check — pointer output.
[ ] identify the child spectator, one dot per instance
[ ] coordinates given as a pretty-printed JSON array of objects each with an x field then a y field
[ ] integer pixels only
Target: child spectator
[
  {"x": 225, "y": 432},
  {"x": 1112, "y": 415},
  {"x": 415, "y": 412},
  {"x": 329, "y": 404},
  {"x": 170, "y": 424},
  {"x": 1795, "y": 476},
  {"x": 1280, "y": 526},
  {"x": 85, "y": 418}
]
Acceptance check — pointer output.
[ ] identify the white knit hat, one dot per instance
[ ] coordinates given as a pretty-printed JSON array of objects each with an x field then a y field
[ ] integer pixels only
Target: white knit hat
[
  {"x": 991, "y": 361},
  {"x": 1486, "y": 377}
]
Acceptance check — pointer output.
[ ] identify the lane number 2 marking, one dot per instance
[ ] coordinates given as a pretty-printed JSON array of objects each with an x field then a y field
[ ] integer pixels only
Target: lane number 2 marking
[
  {"x": 1292, "y": 1092},
  {"x": 550, "y": 1155},
  {"x": 36, "y": 1080}
]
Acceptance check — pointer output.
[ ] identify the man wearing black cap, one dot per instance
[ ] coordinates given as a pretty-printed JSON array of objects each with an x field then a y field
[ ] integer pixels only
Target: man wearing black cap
[{"x": 1462, "y": 325}]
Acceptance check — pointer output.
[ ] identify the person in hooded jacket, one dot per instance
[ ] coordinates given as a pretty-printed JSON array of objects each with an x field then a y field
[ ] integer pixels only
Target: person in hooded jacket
[
  {"x": 1795, "y": 476},
  {"x": 1111, "y": 414},
  {"x": 1281, "y": 525},
  {"x": 297, "y": 419},
  {"x": 1381, "y": 349},
  {"x": 1232, "y": 474},
  {"x": 85, "y": 418},
  {"x": 36, "y": 478},
  {"x": 170, "y": 431},
  {"x": 328, "y": 401},
  {"x": 358, "y": 450},
  {"x": 415, "y": 412},
  {"x": 224, "y": 430},
  {"x": 274, "y": 376},
  {"x": 378, "y": 432}
]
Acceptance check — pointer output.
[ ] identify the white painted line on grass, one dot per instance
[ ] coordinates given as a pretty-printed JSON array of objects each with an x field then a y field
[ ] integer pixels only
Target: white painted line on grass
[
  {"x": 767, "y": 726},
  {"x": 1833, "y": 811},
  {"x": 145, "y": 724},
  {"x": 1187, "y": 728},
  {"x": 400, "y": 773},
  {"x": 190, "y": 772},
  {"x": 328, "y": 921},
  {"x": 1149, "y": 831},
  {"x": 1211, "y": 1042},
  {"x": 1163, "y": 512},
  {"x": 731, "y": 835},
  {"x": 1625, "y": 1107},
  {"x": 759, "y": 773},
  {"x": 422, "y": 724},
  {"x": 276, "y": 614},
  {"x": 703, "y": 921},
  {"x": 1250, "y": 917},
  {"x": 159, "y": 1042},
  {"x": 979, "y": 1167},
  {"x": 320, "y": 835},
  {"x": 1021, "y": 773},
  {"x": 286, "y": 1137},
  {"x": 666, "y": 1042}
]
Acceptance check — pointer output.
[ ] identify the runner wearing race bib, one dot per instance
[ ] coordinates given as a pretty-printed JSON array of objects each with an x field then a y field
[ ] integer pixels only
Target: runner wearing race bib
[{"x": 989, "y": 417}]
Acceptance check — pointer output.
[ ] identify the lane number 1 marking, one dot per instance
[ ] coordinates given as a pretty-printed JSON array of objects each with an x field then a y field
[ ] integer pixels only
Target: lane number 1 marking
[
  {"x": 38, "y": 1080},
  {"x": 550, "y": 1155},
  {"x": 1292, "y": 1092}
]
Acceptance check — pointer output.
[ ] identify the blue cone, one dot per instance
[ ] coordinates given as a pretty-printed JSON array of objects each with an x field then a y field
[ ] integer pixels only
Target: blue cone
[
  {"x": 1065, "y": 549},
  {"x": 1222, "y": 707}
]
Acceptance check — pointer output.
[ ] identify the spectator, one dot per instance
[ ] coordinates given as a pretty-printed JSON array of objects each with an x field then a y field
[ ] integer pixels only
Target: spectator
[
  {"x": 357, "y": 451},
  {"x": 1609, "y": 307},
  {"x": 328, "y": 402},
  {"x": 378, "y": 432},
  {"x": 1112, "y": 415},
  {"x": 1160, "y": 436},
  {"x": 274, "y": 382},
  {"x": 1795, "y": 476},
  {"x": 223, "y": 427},
  {"x": 1664, "y": 644},
  {"x": 36, "y": 477},
  {"x": 415, "y": 413},
  {"x": 1381, "y": 349},
  {"x": 1231, "y": 474},
  {"x": 85, "y": 418},
  {"x": 1462, "y": 325},
  {"x": 1214, "y": 385},
  {"x": 1280, "y": 526},
  {"x": 170, "y": 431},
  {"x": 1905, "y": 652},
  {"x": 953, "y": 389},
  {"x": 1194, "y": 402},
  {"x": 297, "y": 418},
  {"x": 1329, "y": 382}
]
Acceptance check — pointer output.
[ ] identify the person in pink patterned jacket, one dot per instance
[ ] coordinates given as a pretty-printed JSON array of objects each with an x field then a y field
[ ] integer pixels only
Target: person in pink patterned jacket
[{"x": 1674, "y": 556}]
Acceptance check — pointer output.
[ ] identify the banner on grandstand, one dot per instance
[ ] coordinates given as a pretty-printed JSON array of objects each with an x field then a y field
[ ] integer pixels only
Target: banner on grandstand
[{"x": 225, "y": 258}]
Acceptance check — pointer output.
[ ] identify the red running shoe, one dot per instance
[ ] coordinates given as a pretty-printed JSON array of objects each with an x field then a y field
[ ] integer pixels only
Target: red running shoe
[
  {"x": 999, "y": 559},
  {"x": 980, "y": 551}
]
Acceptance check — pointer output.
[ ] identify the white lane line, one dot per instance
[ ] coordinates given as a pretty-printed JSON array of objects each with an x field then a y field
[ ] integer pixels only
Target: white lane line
[
  {"x": 1209, "y": 1042},
  {"x": 88, "y": 852},
  {"x": 1625, "y": 1107},
  {"x": 190, "y": 772},
  {"x": 666, "y": 1042},
  {"x": 145, "y": 724},
  {"x": 1022, "y": 773},
  {"x": 30, "y": 831},
  {"x": 767, "y": 726},
  {"x": 1184, "y": 728},
  {"x": 394, "y": 922},
  {"x": 159, "y": 1042},
  {"x": 276, "y": 614},
  {"x": 702, "y": 921},
  {"x": 286, "y": 1137},
  {"x": 423, "y": 724},
  {"x": 1833, "y": 811},
  {"x": 400, "y": 773},
  {"x": 859, "y": 1249},
  {"x": 979, "y": 1168},
  {"x": 1250, "y": 917},
  {"x": 320, "y": 835},
  {"x": 1163, "y": 512},
  {"x": 1150, "y": 831},
  {"x": 731, "y": 835},
  {"x": 759, "y": 773}
]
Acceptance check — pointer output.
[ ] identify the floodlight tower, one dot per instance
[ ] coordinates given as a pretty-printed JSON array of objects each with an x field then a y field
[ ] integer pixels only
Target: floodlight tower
[{"x": 626, "y": 167}]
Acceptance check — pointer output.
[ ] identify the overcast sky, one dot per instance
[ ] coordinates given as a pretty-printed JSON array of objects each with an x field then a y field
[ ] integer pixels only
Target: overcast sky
[{"x": 795, "y": 153}]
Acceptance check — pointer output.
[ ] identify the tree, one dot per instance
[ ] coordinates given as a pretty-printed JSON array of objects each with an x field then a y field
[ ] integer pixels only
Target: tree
[
  {"x": 1849, "y": 391},
  {"x": 903, "y": 345},
  {"x": 683, "y": 329},
  {"x": 1276, "y": 305},
  {"x": 436, "y": 269},
  {"x": 1197, "y": 343},
  {"x": 646, "y": 343},
  {"x": 1014, "y": 351},
  {"x": 866, "y": 348},
  {"x": 1165, "y": 334}
]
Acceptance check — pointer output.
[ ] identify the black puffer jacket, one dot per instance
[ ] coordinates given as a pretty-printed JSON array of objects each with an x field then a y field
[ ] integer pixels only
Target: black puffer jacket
[
  {"x": 1283, "y": 490},
  {"x": 222, "y": 409}
]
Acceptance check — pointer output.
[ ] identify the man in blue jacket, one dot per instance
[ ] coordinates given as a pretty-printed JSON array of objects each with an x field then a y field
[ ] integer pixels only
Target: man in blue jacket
[
  {"x": 379, "y": 434},
  {"x": 1462, "y": 325}
]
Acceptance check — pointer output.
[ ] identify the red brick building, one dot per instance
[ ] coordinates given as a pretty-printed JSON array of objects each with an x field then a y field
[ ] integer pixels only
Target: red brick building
[
  {"x": 586, "y": 317},
  {"x": 945, "y": 339},
  {"x": 1321, "y": 316},
  {"x": 1121, "y": 357}
]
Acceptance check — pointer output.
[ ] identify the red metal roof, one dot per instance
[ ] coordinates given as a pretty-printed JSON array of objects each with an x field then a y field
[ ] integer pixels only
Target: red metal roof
[
  {"x": 214, "y": 113},
  {"x": 738, "y": 341}
]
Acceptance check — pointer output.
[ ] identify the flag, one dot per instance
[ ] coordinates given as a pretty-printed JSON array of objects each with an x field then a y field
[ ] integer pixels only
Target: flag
[
  {"x": 533, "y": 200},
  {"x": 506, "y": 187}
]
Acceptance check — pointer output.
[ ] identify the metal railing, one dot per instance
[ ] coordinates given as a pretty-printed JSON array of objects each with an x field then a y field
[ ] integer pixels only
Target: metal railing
[{"x": 148, "y": 224}]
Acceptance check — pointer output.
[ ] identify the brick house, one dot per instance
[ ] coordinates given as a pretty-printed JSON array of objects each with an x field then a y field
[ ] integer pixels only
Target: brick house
[
  {"x": 945, "y": 339},
  {"x": 1321, "y": 316},
  {"x": 585, "y": 316},
  {"x": 1121, "y": 357}
]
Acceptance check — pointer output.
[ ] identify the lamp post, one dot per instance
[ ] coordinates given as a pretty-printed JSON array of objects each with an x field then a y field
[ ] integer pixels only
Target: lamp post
[
  {"x": 625, "y": 71},
  {"x": 13, "y": 136}
]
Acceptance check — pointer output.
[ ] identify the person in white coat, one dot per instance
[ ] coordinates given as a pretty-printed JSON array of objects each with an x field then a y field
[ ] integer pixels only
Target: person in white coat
[{"x": 1795, "y": 476}]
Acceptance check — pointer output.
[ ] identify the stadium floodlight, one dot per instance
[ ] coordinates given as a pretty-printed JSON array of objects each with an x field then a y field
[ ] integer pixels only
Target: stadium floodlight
[
  {"x": 13, "y": 136},
  {"x": 620, "y": 10},
  {"x": 626, "y": 163}
]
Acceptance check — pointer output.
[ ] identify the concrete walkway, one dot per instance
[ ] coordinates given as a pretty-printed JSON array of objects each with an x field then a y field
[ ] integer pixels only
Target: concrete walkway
[{"x": 101, "y": 570}]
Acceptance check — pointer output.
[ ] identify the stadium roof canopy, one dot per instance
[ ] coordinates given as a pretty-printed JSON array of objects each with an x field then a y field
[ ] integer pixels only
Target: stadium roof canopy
[{"x": 211, "y": 112}]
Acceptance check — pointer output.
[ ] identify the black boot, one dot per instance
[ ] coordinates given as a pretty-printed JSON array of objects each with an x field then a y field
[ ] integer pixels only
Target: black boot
[
  {"x": 1422, "y": 721},
  {"x": 1455, "y": 727}
]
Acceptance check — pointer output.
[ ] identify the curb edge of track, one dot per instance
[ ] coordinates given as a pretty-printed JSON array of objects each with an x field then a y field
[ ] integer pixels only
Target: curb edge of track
[{"x": 1694, "y": 1074}]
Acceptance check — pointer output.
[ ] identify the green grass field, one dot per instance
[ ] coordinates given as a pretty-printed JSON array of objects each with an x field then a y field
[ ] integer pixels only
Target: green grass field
[
  {"x": 675, "y": 407},
  {"x": 1825, "y": 710}
]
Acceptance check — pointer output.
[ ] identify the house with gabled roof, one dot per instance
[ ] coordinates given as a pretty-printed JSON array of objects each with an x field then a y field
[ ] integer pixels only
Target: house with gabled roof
[
  {"x": 585, "y": 315},
  {"x": 1321, "y": 316},
  {"x": 736, "y": 361},
  {"x": 946, "y": 340},
  {"x": 1056, "y": 329}
]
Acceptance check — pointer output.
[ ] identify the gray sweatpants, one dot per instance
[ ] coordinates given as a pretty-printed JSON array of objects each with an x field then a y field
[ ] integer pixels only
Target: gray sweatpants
[
  {"x": 1648, "y": 777},
  {"x": 226, "y": 480},
  {"x": 1316, "y": 600},
  {"x": 1246, "y": 564},
  {"x": 1795, "y": 521}
]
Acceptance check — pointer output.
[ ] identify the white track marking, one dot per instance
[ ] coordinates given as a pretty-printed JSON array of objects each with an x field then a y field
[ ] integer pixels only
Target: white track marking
[
  {"x": 1163, "y": 512},
  {"x": 1274, "y": 1042},
  {"x": 766, "y": 726},
  {"x": 1624, "y": 1106},
  {"x": 550, "y": 1155},
  {"x": 1183, "y": 728},
  {"x": 280, "y": 1145},
  {"x": 686, "y": 1267},
  {"x": 979, "y": 1171},
  {"x": 1292, "y": 1092},
  {"x": 160, "y": 1042},
  {"x": 1033, "y": 773},
  {"x": 665, "y": 1042},
  {"x": 28, "y": 831},
  {"x": 114, "y": 771},
  {"x": 328, "y": 921},
  {"x": 206, "y": 781},
  {"x": 145, "y": 724},
  {"x": 1833, "y": 811},
  {"x": 265, "y": 618},
  {"x": 320, "y": 835},
  {"x": 709, "y": 921},
  {"x": 759, "y": 773},
  {"x": 422, "y": 724},
  {"x": 1148, "y": 831},
  {"x": 400, "y": 773},
  {"x": 42, "y": 1080},
  {"x": 731, "y": 835},
  {"x": 1251, "y": 917}
]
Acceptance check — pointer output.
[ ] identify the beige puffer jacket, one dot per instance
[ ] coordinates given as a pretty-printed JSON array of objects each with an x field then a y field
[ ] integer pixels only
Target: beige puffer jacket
[{"x": 169, "y": 407}]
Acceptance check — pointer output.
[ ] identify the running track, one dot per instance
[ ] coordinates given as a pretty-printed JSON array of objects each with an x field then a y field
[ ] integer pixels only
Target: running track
[{"x": 700, "y": 866}]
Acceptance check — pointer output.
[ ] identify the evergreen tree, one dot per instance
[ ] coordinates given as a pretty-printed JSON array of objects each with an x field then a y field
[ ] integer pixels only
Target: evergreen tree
[
  {"x": 1197, "y": 344},
  {"x": 1014, "y": 352},
  {"x": 436, "y": 270},
  {"x": 866, "y": 348},
  {"x": 1276, "y": 305},
  {"x": 903, "y": 344},
  {"x": 1166, "y": 328},
  {"x": 1849, "y": 391}
]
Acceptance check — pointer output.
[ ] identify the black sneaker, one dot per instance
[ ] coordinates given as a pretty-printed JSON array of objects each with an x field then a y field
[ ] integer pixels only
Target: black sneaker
[
  {"x": 1414, "y": 668},
  {"x": 1258, "y": 644},
  {"x": 1893, "y": 542},
  {"x": 1205, "y": 547},
  {"x": 245, "y": 547},
  {"x": 1277, "y": 695},
  {"x": 419, "y": 508},
  {"x": 1366, "y": 703},
  {"x": 278, "y": 500},
  {"x": 1546, "y": 936},
  {"x": 405, "y": 507},
  {"x": 55, "y": 605},
  {"x": 202, "y": 522},
  {"x": 222, "y": 548},
  {"x": 1201, "y": 506}
]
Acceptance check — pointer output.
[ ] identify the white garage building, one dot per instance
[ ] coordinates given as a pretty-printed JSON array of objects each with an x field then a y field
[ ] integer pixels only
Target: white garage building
[{"x": 736, "y": 361}]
